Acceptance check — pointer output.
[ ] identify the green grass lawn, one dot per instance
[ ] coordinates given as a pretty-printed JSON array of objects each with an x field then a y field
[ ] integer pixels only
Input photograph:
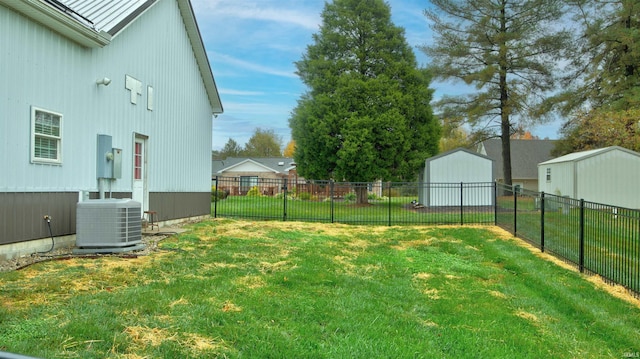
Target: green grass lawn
[{"x": 230, "y": 288}]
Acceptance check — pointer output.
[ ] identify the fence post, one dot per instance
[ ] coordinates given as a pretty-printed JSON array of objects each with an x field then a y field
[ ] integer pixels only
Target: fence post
[
  {"x": 495, "y": 203},
  {"x": 331, "y": 197},
  {"x": 515, "y": 212},
  {"x": 542, "y": 221},
  {"x": 461, "y": 203},
  {"x": 389, "y": 195},
  {"x": 581, "y": 260},
  {"x": 215, "y": 202},
  {"x": 284, "y": 203}
]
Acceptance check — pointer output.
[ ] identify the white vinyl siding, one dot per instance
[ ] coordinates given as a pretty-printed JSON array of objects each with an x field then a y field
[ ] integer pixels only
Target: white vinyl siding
[
  {"x": 607, "y": 175},
  {"x": 46, "y": 136},
  {"x": 444, "y": 173},
  {"x": 156, "y": 50}
]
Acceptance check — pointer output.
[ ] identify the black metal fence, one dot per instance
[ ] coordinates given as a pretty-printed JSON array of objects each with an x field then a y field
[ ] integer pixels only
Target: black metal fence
[
  {"x": 388, "y": 203},
  {"x": 599, "y": 239}
]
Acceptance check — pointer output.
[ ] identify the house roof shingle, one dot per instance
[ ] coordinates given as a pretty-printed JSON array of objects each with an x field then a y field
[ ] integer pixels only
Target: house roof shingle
[{"x": 525, "y": 156}]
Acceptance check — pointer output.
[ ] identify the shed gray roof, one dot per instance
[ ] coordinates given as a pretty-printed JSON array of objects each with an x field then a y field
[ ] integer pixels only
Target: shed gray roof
[
  {"x": 459, "y": 149},
  {"x": 525, "y": 156},
  {"x": 280, "y": 165},
  {"x": 578, "y": 156}
]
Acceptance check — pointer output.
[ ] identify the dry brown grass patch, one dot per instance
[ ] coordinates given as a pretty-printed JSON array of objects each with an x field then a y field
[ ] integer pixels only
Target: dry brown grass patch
[
  {"x": 268, "y": 267},
  {"x": 528, "y": 316},
  {"x": 432, "y": 293},
  {"x": 497, "y": 294},
  {"x": 250, "y": 282},
  {"x": 230, "y": 307},
  {"x": 145, "y": 336},
  {"x": 422, "y": 276}
]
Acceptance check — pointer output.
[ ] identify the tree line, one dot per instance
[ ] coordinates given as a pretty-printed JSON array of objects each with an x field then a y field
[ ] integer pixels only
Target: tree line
[{"x": 263, "y": 143}]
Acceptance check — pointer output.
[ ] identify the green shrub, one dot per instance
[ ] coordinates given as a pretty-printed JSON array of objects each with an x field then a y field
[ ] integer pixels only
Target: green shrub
[
  {"x": 305, "y": 196},
  {"x": 254, "y": 191},
  {"x": 350, "y": 196},
  {"x": 218, "y": 194}
]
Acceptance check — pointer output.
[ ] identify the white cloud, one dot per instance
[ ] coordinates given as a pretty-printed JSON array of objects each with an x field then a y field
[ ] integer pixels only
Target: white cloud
[
  {"x": 264, "y": 110},
  {"x": 240, "y": 92},
  {"x": 247, "y": 65},
  {"x": 258, "y": 10}
]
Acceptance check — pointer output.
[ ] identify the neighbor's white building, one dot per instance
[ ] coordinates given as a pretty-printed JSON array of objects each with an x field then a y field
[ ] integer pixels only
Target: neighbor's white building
[
  {"x": 101, "y": 98},
  {"x": 456, "y": 174},
  {"x": 607, "y": 175}
]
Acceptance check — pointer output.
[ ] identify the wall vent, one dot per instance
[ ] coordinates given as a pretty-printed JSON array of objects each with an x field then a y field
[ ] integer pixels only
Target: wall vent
[{"x": 108, "y": 225}]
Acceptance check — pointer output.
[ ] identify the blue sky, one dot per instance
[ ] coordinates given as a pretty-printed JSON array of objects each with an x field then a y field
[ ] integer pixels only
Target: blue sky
[{"x": 252, "y": 46}]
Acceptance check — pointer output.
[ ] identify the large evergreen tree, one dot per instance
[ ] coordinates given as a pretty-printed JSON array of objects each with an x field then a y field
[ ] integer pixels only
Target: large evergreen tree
[
  {"x": 508, "y": 50},
  {"x": 606, "y": 57},
  {"x": 604, "y": 85},
  {"x": 366, "y": 114}
]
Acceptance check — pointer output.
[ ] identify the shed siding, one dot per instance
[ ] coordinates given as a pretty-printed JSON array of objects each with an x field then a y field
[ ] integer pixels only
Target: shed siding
[
  {"x": 43, "y": 69},
  {"x": 609, "y": 178},
  {"x": 562, "y": 179},
  {"x": 442, "y": 173},
  {"x": 460, "y": 167}
]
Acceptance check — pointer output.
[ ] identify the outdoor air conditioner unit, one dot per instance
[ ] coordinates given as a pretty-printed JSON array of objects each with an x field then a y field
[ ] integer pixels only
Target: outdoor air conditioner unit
[{"x": 108, "y": 225}]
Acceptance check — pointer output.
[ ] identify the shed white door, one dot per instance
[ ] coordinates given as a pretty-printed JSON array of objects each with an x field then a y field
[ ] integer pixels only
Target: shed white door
[{"x": 139, "y": 192}]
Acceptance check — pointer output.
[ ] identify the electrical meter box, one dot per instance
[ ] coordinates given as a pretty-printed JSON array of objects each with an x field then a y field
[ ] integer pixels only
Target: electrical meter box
[
  {"x": 109, "y": 159},
  {"x": 104, "y": 168},
  {"x": 117, "y": 163}
]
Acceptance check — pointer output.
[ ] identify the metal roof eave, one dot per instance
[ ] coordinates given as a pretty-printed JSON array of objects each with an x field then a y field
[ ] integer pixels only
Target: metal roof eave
[
  {"x": 57, "y": 21},
  {"x": 201, "y": 55}
]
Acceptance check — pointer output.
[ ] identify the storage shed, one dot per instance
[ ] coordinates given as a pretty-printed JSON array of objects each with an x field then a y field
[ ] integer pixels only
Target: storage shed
[
  {"x": 607, "y": 175},
  {"x": 456, "y": 174}
]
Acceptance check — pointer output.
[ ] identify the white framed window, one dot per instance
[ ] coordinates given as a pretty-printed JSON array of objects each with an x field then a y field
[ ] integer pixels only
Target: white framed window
[
  {"x": 46, "y": 136},
  {"x": 248, "y": 182},
  {"x": 548, "y": 174}
]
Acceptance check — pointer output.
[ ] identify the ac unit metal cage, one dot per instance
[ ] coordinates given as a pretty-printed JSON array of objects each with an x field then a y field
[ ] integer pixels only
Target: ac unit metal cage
[{"x": 108, "y": 223}]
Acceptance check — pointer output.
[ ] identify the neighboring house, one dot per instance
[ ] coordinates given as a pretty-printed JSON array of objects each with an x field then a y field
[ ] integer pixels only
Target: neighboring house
[
  {"x": 525, "y": 156},
  {"x": 100, "y": 99},
  {"x": 239, "y": 175},
  {"x": 607, "y": 175},
  {"x": 443, "y": 174}
]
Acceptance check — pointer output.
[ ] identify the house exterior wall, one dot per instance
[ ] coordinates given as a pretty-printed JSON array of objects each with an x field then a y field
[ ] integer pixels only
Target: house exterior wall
[
  {"x": 44, "y": 69},
  {"x": 454, "y": 168}
]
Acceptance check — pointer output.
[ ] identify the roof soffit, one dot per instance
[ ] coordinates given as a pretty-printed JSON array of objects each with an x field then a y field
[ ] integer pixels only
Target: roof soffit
[{"x": 75, "y": 29}]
